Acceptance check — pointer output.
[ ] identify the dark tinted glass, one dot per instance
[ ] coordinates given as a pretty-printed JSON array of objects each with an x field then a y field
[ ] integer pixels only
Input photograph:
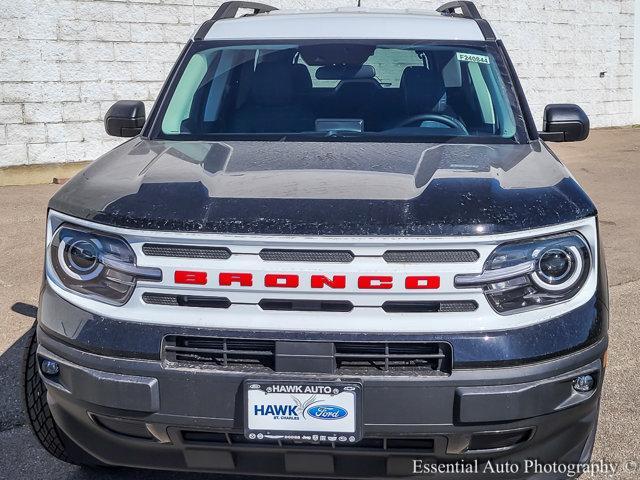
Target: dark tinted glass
[{"x": 342, "y": 90}]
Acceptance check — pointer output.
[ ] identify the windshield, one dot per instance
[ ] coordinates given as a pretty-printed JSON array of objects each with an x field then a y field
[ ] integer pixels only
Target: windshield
[{"x": 350, "y": 90}]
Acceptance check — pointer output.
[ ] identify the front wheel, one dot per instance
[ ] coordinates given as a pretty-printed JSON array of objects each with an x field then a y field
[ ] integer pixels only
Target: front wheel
[{"x": 36, "y": 408}]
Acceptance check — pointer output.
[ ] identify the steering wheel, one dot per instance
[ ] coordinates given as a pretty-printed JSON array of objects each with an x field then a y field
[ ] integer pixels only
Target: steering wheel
[{"x": 435, "y": 117}]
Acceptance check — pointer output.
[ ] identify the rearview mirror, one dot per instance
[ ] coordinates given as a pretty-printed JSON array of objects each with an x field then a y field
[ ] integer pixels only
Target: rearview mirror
[
  {"x": 564, "y": 122},
  {"x": 345, "y": 72},
  {"x": 125, "y": 118}
]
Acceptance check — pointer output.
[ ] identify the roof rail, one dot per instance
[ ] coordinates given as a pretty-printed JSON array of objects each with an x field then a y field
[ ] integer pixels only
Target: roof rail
[
  {"x": 470, "y": 11},
  {"x": 230, "y": 10}
]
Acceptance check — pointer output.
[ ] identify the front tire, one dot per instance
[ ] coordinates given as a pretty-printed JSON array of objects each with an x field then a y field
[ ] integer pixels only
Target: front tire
[{"x": 36, "y": 408}]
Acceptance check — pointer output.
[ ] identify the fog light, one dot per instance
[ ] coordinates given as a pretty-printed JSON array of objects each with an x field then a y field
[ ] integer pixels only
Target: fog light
[
  {"x": 49, "y": 367},
  {"x": 584, "y": 383}
]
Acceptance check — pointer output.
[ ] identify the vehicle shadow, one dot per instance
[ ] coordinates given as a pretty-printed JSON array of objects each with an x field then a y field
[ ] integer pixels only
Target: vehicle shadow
[
  {"x": 16, "y": 438},
  {"x": 11, "y": 415}
]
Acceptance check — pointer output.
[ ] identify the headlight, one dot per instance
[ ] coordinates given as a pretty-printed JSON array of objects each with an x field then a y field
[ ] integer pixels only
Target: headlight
[
  {"x": 533, "y": 273},
  {"x": 96, "y": 265}
]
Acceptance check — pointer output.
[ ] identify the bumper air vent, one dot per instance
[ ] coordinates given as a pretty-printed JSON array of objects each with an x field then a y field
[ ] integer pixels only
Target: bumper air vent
[
  {"x": 226, "y": 353},
  {"x": 499, "y": 440},
  {"x": 413, "y": 444},
  {"x": 318, "y": 256},
  {"x": 371, "y": 358},
  {"x": 306, "y": 305},
  {"x": 351, "y": 358},
  {"x": 121, "y": 426},
  {"x": 421, "y": 445},
  {"x": 429, "y": 307},
  {"x": 185, "y": 300},
  {"x": 431, "y": 256},
  {"x": 186, "y": 251}
]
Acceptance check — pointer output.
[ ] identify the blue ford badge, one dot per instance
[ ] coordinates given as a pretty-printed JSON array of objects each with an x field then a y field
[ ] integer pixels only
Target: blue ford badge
[{"x": 327, "y": 412}]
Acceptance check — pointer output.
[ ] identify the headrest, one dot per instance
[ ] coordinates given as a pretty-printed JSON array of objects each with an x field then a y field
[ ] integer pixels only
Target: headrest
[
  {"x": 355, "y": 95},
  {"x": 272, "y": 84},
  {"x": 301, "y": 78},
  {"x": 422, "y": 90}
]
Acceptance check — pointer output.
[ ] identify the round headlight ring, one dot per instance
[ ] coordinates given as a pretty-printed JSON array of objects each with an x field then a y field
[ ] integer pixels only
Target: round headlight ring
[
  {"x": 76, "y": 268},
  {"x": 555, "y": 265},
  {"x": 573, "y": 273},
  {"x": 82, "y": 256}
]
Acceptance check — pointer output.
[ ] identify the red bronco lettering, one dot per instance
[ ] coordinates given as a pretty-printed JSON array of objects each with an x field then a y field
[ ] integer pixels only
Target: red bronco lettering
[{"x": 292, "y": 280}]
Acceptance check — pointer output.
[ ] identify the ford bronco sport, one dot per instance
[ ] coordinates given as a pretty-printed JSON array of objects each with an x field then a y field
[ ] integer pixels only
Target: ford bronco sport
[{"x": 337, "y": 246}]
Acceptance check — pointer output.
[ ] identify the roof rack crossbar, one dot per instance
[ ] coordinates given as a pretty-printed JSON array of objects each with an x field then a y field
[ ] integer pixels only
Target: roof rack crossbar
[
  {"x": 468, "y": 10},
  {"x": 230, "y": 10}
]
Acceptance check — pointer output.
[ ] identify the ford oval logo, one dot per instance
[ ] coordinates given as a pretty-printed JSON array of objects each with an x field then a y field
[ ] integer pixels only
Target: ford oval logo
[{"x": 327, "y": 412}]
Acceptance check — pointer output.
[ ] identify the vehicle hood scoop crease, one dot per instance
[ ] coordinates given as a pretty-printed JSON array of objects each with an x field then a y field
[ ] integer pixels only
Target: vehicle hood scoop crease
[{"x": 325, "y": 188}]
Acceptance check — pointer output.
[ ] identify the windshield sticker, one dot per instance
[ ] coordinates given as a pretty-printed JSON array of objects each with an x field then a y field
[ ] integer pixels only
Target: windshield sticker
[{"x": 472, "y": 57}]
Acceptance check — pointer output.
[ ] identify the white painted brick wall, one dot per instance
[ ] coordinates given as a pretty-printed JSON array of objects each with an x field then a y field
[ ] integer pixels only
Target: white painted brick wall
[{"x": 64, "y": 62}]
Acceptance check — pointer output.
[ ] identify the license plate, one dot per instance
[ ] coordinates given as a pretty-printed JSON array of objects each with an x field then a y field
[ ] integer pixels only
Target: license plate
[{"x": 303, "y": 411}]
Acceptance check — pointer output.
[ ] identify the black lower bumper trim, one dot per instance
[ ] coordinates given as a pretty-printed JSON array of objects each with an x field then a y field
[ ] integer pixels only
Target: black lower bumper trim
[
  {"x": 194, "y": 417},
  {"x": 559, "y": 437}
]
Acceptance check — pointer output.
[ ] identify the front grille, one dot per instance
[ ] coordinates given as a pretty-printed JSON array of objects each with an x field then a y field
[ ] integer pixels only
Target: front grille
[
  {"x": 224, "y": 353},
  {"x": 319, "y": 256},
  {"x": 186, "y": 251},
  {"x": 430, "y": 256},
  {"x": 350, "y": 358},
  {"x": 368, "y": 443},
  {"x": 370, "y": 358},
  {"x": 294, "y": 305}
]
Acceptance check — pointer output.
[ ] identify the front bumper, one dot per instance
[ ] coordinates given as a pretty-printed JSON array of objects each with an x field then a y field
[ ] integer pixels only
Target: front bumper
[
  {"x": 121, "y": 401},
  {"x": 140, "y": 413}
]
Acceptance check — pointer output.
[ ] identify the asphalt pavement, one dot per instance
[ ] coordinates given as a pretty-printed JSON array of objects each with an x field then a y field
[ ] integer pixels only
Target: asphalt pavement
[{"x": 608, "y": 167}]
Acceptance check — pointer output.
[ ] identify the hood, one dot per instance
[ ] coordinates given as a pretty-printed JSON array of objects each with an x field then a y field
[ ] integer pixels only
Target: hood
[{"x": 325, "y": 188}]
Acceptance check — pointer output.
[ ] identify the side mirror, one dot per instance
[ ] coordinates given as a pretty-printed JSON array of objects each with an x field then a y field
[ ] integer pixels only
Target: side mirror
[
  {"x": 125, "y": 118},
  {"x": 564, "y": 122}
]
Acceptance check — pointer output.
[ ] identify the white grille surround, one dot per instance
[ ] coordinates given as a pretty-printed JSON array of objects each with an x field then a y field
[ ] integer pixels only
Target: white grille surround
[{"x": 367, "y": 314}]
